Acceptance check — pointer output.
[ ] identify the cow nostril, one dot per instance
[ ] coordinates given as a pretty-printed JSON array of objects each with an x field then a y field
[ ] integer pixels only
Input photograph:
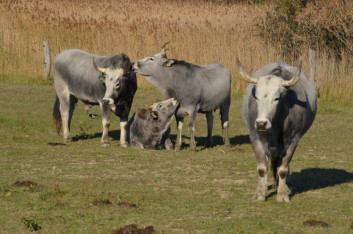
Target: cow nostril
[{"x": 261, "y": 124}]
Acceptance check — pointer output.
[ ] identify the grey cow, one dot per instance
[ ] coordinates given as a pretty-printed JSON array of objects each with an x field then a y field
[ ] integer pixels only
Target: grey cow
[
  {"x": 149, "y": 128},
  {"x": 107, "y": 81},
  {"x": 199, "y": 89},
  {"x": 279, "y": 107}
]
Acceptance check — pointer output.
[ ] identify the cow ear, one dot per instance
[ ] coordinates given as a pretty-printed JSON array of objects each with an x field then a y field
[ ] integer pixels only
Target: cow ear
[
  {"x": 142, "y": 113},
  {"x": 169, "y": 63},
  {"x": 102, "y": 78}
]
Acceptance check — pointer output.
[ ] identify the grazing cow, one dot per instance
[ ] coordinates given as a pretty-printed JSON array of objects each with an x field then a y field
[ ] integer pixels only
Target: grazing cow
[
  {"x": 279, "y": 106},
  {"x": 199, "y": 89},
  {"x": 150, "y": 128},
  {"x": 107, "y": 81}
]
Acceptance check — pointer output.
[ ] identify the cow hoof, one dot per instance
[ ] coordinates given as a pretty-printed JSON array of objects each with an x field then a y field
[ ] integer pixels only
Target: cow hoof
[
  {"x": 258, "y": 198},
  {"x": 282, "y": 198},
  {"x": 105, "y": 144},
  {"x": 67, "y": 140},
  {"x": 124, "y": 145}
]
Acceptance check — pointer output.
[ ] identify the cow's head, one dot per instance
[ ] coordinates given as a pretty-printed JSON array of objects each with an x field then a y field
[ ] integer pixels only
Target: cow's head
[
  {"x": 164, "y": 110},
  {"x": 269, "y": 92},
  {"x": 151, "y": 65},
  {"x": 113, "y": 79}
]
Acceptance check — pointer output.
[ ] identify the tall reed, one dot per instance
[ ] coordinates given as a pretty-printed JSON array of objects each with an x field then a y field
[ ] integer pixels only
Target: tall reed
[{"x": 200, "y": 32}]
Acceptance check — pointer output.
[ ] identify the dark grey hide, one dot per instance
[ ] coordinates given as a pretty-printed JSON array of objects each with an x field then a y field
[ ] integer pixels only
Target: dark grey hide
[
  {"x": 199, "y": 89},
  {"x": 279, "y": 107},
  {"x": 107, "y": 81},
  {"x": 149, "y": 128}
]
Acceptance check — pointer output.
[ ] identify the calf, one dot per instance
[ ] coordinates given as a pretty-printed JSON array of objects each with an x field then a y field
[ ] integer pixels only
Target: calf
[{"x": 149, "y": 128}]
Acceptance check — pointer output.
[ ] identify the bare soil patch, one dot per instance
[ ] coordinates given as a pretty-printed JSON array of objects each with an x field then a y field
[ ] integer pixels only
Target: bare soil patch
[
  {"x": 26, "y": 183},
  {"x": 316, "y": 223},
  {"x": 102, "y": 202},
  {"x": 132, "y": 229},
  {"x": 127, "y": 205}
]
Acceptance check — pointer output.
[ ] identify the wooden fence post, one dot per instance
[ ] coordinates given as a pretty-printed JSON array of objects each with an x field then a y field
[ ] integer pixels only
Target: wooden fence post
[
  {"x": 312, "y": 64},
  {"x": 47, "y": 61}
]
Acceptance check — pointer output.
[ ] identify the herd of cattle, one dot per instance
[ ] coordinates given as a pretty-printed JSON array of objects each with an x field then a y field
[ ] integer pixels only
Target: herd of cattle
[{"x": 279, "y": 104}]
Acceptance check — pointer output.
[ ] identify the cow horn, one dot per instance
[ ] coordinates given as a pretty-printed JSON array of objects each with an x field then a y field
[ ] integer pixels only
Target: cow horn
[
  {"x": 100, "y": 69},
  {"x": 245, "y": 76},
  {"x": 163, "y": 49},
  {"x": 295, "y": 78}
]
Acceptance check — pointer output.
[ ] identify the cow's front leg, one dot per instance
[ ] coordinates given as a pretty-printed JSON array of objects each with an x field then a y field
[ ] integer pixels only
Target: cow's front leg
[
  {"x": 209, "y": 117},
  {"x": 262, "y": 167},
  {"x": 179, "y": 121},
  {"x": 283, "y": 173},
  {"x": 123, "y": 136},
  {"x": 106, "y": 124},
  {"x": 192, "y": 125}
]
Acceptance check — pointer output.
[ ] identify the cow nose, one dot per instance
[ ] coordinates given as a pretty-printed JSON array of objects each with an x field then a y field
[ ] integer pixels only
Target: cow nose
[
  {"x": 108, "y": 101},
  {"x": 261, "y": 124}
]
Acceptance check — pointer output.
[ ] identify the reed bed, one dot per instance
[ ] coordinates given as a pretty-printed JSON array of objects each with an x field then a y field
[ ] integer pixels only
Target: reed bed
[{"x": 200, "y": 32}]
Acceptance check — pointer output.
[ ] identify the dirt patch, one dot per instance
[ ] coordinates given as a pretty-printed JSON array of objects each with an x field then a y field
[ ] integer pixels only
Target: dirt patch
[
  {"x": 29, "y": 184},
  {"x": 316, "y": 223},
  {"x": 127, "y": 205},
  {"x": 238, "y": 149},
  {"x": 102, "y": 202},
  {"x": 132, "y": 229},
  {"x": 55, "y": 144}
]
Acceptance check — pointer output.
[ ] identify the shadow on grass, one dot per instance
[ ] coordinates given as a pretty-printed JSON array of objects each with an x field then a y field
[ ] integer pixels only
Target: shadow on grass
[
  {"x": 317, "y": 178},
  {"x": 217, "y": 140},
  {"x": 115, "y": 134}
]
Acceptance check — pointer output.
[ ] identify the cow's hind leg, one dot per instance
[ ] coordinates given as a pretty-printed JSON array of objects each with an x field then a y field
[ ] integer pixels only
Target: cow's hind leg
[
  {"x": 192, "y": 125},
  {"x": 283, "y": 173},
  {"x": 67, "y": 106},
  {"x": 209, "y": 117},
  {"x": 180, "y": 122},
  {"x": 106, "y": 123},
  {"x": 123, "y": 129},
  {"x": 224, "y": 111}
]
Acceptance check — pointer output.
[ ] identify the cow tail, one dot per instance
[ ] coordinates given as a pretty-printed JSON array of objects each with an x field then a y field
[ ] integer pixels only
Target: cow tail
[{"x": 57, "y": 115}]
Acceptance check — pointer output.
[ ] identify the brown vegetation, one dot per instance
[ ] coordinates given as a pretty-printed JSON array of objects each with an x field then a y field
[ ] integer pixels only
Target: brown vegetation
[{"x": 200, "y": 32}]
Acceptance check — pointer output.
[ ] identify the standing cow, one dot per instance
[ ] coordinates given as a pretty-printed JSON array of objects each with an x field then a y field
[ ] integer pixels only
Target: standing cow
[
  {"x": 107, "y": 81},
  {"x": 149, "y": 128},
  {"x": 199, "y": 89},
  {"x": 279, "y": 107}
]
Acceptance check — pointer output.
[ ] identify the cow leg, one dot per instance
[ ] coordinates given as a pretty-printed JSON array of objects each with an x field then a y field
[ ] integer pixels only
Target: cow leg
[
  {"x": 224, "y": 111},
  {"x": 192, "y": 125},
  {"x": 180, "y": 122},
  {"x": 283, "y": 173},
  {"x": 262, "y": 166},
  {"x": 67, "y": 106},
  {"x": 209, "y": 117},
  {"x": 123, "y": 138},
  {"x": 136, "y": 145},
  {"x": 105, "y": 109}
]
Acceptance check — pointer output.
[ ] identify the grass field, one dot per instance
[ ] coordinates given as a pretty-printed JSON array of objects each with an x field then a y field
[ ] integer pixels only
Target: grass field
[{"x": 207, "y": 191}]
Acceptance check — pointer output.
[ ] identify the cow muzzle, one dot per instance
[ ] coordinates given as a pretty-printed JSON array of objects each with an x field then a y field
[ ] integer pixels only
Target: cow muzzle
[
  {"x": 109, "y": 101},
  {"x": 262, "y": 124},
  {"x": 134, "y": 66}
]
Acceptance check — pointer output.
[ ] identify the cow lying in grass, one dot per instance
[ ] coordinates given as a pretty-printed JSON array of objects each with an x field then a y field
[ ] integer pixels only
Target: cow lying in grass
[{"x": 149, "y": 128}]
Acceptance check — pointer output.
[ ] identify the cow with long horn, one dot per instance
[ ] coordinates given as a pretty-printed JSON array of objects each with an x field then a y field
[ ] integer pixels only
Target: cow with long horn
[
  {"x": 107, "y": 81},
  {"x": 198, "y": 88},
  {"x": 279, "y": 106}
]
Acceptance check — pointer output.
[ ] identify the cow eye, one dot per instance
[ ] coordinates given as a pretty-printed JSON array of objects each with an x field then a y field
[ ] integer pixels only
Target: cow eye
[
  {"x": 151, "y": 59},
  {"x": 277, "y": 99},
  {"x": 159, "y": 106}
]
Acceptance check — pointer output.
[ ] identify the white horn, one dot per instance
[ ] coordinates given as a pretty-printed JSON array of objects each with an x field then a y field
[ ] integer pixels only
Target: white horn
[
  {"x": 295, "y": 78},
  {"x": 245, "y": 76},
  {"x": 100, "y": 69}
]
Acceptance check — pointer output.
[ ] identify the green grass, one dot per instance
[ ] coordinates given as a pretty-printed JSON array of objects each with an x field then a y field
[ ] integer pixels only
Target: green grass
[{"x": 207, "y": 191}]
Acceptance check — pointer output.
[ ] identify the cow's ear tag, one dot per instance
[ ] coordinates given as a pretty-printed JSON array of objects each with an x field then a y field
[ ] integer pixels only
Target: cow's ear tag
[
  {"x": 154, "y": 116},
  {"x": 102, "y": 79},
  {"x": 169, "y": 63}
]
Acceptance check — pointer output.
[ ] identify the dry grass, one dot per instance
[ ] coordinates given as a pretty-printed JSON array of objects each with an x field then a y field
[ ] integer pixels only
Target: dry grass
[{"x": 200, "y": 32}]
